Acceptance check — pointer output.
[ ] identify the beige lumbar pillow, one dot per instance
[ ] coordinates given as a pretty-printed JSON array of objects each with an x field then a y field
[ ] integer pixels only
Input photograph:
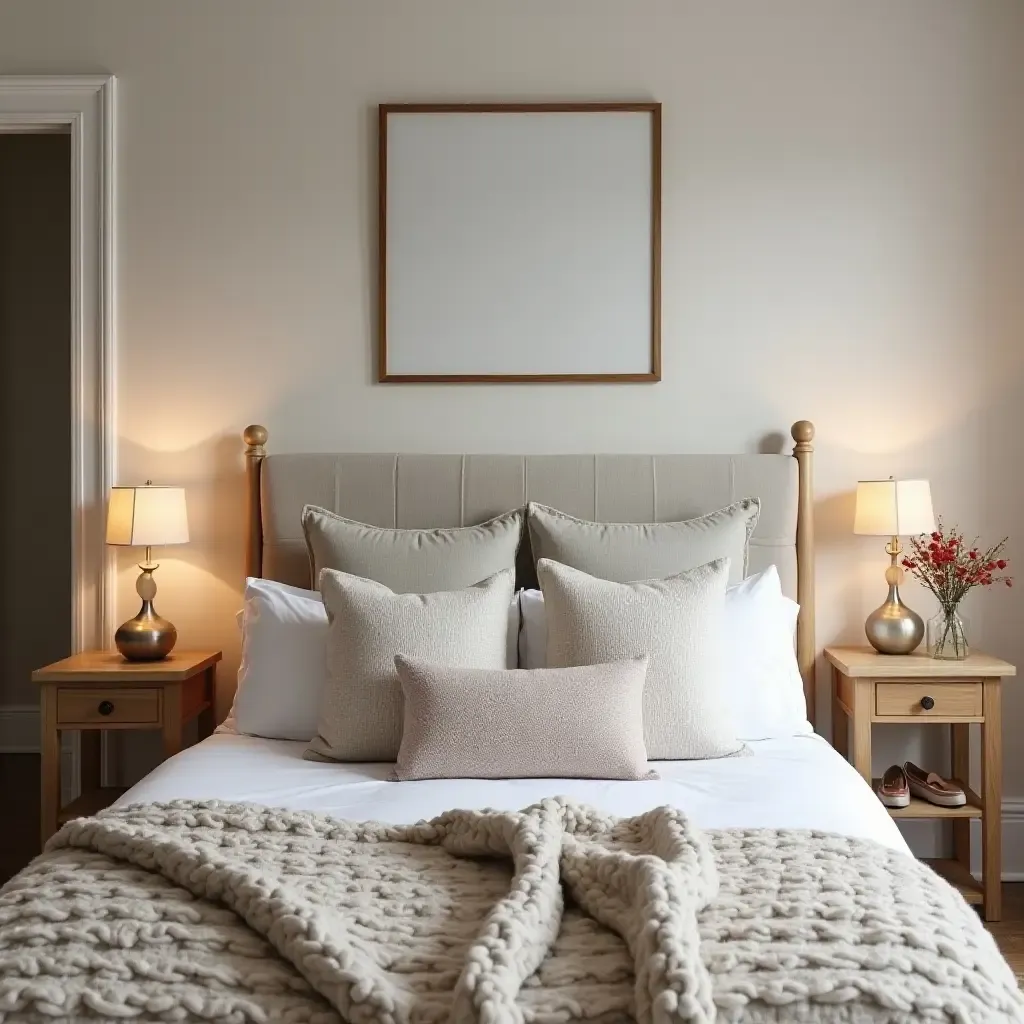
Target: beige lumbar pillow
[
  {"x": 411, "y": 561},
  {"x": 644, "y": 551},
  {"x": 361, "y": 708},
  {"x": 568, "y": 723},
  {"x": 677, "y": 623}
]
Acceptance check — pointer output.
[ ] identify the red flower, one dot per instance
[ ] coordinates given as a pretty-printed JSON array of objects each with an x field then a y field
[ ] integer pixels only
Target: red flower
[
  {"x": 1001, "y": 563},
  {"x": 936, "y": 536},
  {"x": 933, "y": 546},
  {"x": 991, "y": 565},
  {"x": 973, "y": 554}
]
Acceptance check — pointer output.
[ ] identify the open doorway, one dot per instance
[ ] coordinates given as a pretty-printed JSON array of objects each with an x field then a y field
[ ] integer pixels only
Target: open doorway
[
  {"x": 74, "y": 114},
  {"x": 36, "y": 618}
]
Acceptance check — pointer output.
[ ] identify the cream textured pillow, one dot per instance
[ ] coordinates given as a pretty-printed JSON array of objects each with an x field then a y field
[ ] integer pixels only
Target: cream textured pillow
[
  {"x": 677, "y": 622},
  {"x": 644, "y": 551},
  {"x": 361, "y": 707},
  {"x": 411, "y": 561},
  {"x": 762, "y": 678},
  {"x": 567, "y": 723}
]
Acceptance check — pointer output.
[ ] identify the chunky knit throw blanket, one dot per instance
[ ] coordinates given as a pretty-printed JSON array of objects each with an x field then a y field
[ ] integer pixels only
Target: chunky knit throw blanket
[{"x": 556, "y": 914}]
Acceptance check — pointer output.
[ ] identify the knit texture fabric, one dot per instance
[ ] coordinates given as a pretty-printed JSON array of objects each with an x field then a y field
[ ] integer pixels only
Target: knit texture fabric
[
  {"x": 562, "y": 723},
  {"x": 361, "y": 704},
  {"x": 231, "y": 913},
  {"x": 678, "y": 623}
]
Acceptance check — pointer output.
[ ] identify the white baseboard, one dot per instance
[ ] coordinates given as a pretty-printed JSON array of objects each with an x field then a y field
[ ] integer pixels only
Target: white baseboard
[
  {"x": 19, "y": 729},
  {"x": 1013, "y": 839}
]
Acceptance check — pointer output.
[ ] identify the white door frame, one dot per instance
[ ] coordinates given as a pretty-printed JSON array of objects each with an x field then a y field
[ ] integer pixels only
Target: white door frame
[{"x": 84, "y": 106}]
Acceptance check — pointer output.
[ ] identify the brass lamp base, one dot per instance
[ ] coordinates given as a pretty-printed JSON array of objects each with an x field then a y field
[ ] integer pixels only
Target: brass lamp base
[
  {"x": 147, "y": 637},
  {"x": 893, "y": 628}
]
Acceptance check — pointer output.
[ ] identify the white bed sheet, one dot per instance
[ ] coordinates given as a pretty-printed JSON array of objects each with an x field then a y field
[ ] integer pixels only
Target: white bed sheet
[{"x": 800, "y": 782}]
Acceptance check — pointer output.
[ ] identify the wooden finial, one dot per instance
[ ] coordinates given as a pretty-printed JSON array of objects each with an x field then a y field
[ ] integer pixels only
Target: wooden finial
[
  {"x": 255, "y": 437},
  {"x": 806, "y": 645},
  {"x": 802, "y": 431}
]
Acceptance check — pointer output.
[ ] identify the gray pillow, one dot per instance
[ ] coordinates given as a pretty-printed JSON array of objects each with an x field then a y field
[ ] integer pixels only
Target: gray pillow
[
  {"x": 569, "y": 723},
  {"x": 411, "y": 561},
  {"x": 677, "y": 623},
  {"x": 361, "y": 707},
  {"x": 644, "y": 551}
]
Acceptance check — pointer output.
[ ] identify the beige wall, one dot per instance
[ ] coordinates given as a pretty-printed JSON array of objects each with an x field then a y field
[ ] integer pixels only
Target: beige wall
[
  {"x": 35, "y": 409},
  {"x": 843, "y": 241}
]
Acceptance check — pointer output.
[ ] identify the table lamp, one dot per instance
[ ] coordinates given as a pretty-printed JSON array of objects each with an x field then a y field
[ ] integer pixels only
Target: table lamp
[
  {"x": 146, "y": 517},
  {"x": 894, "y": 508}
]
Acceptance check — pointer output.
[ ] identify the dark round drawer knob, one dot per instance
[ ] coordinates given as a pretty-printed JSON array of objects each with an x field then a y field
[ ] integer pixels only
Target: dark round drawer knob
[
  {"x": 107, "y": 707},
  {"x": 927, "y": 703}
]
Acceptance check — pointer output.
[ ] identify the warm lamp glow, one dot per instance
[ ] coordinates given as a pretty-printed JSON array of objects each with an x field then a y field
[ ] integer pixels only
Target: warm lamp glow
[
  {"x": 147, "y": 516},
  {"x": 893, "y": 508}
]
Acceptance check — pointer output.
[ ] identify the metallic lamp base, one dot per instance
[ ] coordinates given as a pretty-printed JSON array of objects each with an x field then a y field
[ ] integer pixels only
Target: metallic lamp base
[
  {"x": 894, "y": 628},
  {"x": 147, "y": 637}
]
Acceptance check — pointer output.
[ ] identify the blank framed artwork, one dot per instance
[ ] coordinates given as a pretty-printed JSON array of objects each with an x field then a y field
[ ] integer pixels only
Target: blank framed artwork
[{"x": 519, "y": 242}]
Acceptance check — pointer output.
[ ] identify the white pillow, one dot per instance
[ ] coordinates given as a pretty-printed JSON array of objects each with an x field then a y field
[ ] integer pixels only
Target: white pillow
[
  {"x": 764, "y": 686},
  {"x": 284, "y": 663}
]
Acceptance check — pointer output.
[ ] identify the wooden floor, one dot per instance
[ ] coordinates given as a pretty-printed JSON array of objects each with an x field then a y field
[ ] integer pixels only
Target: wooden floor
[
  {"x": 19, "y": 843},
  {"x": 19, "y": 812},
  {"x": 1009, "y": 932}
]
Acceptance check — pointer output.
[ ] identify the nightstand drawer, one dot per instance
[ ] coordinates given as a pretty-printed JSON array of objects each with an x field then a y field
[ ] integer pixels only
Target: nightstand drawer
[
  {"x": 107, "y": 707},
  {"x": 928, "y": 700}
]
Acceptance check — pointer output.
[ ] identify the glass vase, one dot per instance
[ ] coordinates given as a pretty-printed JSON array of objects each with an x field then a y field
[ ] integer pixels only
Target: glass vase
[{"x": 947, "y": 636}]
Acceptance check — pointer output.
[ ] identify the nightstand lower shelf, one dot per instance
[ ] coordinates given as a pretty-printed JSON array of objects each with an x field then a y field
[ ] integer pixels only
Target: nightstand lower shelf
[
  {"x": 959, "y": 877},
  {"x": 923, "y": 809},
  {"x": 89, "y": 803}
]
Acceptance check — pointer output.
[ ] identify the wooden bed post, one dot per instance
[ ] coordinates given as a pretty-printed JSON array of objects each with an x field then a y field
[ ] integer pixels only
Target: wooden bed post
[
  {"x": 255, "y": 438},
  {"x": 806, "y": 647}
]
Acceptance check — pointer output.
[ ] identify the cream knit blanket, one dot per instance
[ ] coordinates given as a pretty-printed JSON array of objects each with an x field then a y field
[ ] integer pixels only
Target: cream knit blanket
[{"x": 231, "y": 913}]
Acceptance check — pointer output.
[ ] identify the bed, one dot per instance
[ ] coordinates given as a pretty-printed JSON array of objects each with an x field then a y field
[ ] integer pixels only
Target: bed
[
  {"x": 809, "y": 784},
  {"x": 763, "y": 887}
]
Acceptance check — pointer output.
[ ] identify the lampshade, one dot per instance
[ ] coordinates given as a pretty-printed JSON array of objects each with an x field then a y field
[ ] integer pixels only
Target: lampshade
[
  {"x": 893, "y": 508},
  {"x": 147, "y": 516}
]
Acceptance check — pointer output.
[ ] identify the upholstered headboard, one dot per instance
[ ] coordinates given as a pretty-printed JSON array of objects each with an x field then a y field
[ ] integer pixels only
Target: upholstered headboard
[{"x": 409, "y": 491}]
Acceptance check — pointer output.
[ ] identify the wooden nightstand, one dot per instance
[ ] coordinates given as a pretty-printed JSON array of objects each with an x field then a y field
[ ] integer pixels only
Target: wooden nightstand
[
  {"x": 869, "y": 687},
  {"x": 98, "y": 690}
]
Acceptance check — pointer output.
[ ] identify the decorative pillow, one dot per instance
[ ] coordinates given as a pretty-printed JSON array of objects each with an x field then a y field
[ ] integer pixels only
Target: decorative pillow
[
  {"x": 411, "y": 561},
  {"x": 568, "y": 723},
  {"x": 763, "y": 686},
  {"x": 361, "y": 710},
  {"x": 283, "y": 672},
  {"x": 644, "y": 551},
  {"x": 677, "y": 622}
]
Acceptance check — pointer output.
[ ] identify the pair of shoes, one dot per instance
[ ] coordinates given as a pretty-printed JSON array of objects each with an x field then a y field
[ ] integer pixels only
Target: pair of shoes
[{"x": 900, "y": 783}]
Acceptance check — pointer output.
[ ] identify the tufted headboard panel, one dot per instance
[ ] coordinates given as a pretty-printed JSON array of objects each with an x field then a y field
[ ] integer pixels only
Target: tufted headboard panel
[{"x": 409, "y": 491}]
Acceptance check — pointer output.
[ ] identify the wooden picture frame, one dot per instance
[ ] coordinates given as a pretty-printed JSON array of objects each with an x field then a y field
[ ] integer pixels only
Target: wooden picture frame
[{"x": 464, "y": 224}]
